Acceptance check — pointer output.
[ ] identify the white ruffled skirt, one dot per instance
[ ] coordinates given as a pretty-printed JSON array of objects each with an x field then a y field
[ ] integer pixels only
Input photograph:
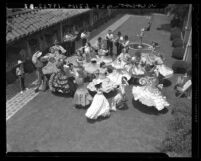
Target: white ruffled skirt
[
  {"x": 116, "y": 76},
  {"x": 99, "y": 107},
  {"x": 165, "y": 71},
  {"x": 150, "y": 97}
]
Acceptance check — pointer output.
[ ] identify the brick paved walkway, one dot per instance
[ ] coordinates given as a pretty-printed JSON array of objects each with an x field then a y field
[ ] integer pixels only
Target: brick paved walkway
[
  {"x": 18, "y": 101},
  {"x": 14, "y": 88}
]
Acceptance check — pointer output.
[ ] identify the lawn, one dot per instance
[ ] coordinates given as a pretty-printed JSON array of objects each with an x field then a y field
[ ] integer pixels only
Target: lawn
[{"x": 50, "y": 123}]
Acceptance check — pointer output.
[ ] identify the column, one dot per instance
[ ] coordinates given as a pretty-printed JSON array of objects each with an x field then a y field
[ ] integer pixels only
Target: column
[
  {"x": 29, "y": 52},
  {"x": 91, "y": 18},
  {"x": 61, "y": 32},
  {"x": 188, "y": 25},
  {"x": 188, "y": 47},
  {"x": 41, "y": 46}
]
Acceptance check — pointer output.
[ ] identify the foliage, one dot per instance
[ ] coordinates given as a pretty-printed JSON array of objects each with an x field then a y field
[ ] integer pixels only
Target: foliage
[
  {"x": 178, "y": 53},
  {"x": 180, "y": 66},
  {"x": 177, "y": 42},
  {"x": 179, "y": 136},
  {"x": 175, "y": 33},
  {"x": 176, "y": 22},
  {"x": 174, "y": 29},
  {"x": 179, "y": 11}
]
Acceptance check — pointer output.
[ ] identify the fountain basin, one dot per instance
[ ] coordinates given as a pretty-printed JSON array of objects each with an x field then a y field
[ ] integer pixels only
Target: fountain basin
[{"x": 143, "y": 47}]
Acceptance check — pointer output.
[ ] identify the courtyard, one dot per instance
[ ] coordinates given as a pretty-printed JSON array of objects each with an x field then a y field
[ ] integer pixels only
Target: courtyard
[{"x": 49, "y": 123}]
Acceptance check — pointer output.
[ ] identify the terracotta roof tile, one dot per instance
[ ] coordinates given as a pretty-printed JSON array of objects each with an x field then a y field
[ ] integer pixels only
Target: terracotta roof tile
[
  {"x": 35, "y": 26},
  {"x": 32, "y": 27},
  {"x": 24, "y": 30},
  {"x": 15, "y": 33},
  {"x": 27, "y": 23},
  {"x": 9, "y": 36},
  {"x": 20, "y": 31}
]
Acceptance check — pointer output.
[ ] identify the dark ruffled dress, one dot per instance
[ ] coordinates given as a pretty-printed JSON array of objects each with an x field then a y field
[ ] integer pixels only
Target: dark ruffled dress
[{"x": 60, "y": 82}]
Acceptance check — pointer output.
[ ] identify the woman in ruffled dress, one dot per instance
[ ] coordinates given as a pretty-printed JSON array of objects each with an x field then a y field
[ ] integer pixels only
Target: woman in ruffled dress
[
  {"x": 138, "y": 68},
  {"x": 163, "y": 72},
  {"x": 80, "y": 58},
  {"x": 107, "y": 84},
  {"x": 119, "y": 100},
  {"x": 58, "y": 48},
  {"x": 99, "y": 106},
  {"x": 103, "y": 55},
  {"x": 63, "y": 81},
  {"x": 37, "y": 60},
  {"x": 122, "y": 60},
  {"x": 82, "y": 98},
  {"x": 148, "y": 93},
  {"x": 121, "y": 68}
]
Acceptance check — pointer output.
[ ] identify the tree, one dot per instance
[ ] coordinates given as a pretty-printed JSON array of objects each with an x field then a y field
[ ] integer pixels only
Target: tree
[{"x": 179, "y": 12}]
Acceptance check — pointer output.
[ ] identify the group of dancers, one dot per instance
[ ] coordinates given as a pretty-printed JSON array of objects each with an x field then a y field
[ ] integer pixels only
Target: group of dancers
[{"x": 98, "y": 72}]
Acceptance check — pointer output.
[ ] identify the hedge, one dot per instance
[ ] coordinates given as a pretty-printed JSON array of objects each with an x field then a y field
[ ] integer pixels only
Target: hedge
[
  {"x": 180, "y": 67},
  {"x": 175, "y": 34},
  {"x": 176, "y": 22},
  {"x": 177, "y": 42},
  {"x": 178, "y": 53},
  {"x": 175, "y": 29}
]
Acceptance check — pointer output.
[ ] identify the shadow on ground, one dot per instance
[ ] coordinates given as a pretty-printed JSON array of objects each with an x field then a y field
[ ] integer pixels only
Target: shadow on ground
[
  {"x": 62, "y": 95},
  {"x": 125, "y": 107},
  {"x": 99, "y": 119},
  {"x": 148, "y": 110},
  {"x": 80, "y": 107},
  {"x": 165, "y": 27}
]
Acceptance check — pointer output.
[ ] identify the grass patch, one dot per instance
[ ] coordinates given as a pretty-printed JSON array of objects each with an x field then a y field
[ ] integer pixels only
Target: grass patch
[{"x": 178, "y": 139}]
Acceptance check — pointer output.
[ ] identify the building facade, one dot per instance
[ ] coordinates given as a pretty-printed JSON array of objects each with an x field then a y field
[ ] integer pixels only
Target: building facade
[{"x": 32, "y": 30}]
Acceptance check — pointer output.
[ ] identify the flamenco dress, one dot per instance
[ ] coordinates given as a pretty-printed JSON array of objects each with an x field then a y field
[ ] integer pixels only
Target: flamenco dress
[
  {"x": 82, "y": 98},
  {"x": 107, "y": 84},
  {"x": 149, "y": 95},
  {"x": 99, "y": 107},
  {"x": 61, "y": 82}
]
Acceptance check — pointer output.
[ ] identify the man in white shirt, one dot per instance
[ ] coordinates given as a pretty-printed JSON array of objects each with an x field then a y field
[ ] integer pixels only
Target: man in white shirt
[
  {"x": 118, "y": 43},
  {"x": 84, "y": 37},
  {"x": 126, "y": 43},
  {"x": 110, "y": 38}
]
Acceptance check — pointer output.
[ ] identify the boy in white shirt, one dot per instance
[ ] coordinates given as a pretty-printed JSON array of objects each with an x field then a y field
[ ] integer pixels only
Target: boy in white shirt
[{"x": 20, "y": 74}]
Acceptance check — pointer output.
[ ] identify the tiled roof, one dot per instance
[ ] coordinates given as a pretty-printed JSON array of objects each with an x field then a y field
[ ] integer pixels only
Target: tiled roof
[{"x": 26, "y": 23}]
